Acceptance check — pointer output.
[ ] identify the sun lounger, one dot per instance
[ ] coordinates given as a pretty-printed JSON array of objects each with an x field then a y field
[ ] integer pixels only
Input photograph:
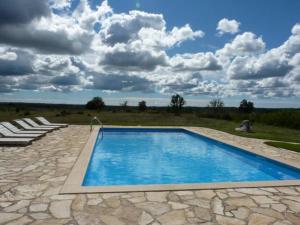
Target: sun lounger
[
  {"x": 34, "y": 124},
  {"x": 18, "y": 131},
  {"x": 44, "y": 121},
  {"x": 15, "y": 141},
  {"x": 243, "y": 128},
  {"x": 26, "y": 126},
  {"x": 9, "y": 134}
]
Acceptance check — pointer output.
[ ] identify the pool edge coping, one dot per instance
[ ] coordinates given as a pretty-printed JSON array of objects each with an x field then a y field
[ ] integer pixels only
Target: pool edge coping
[{"x": 73, "y": 183}]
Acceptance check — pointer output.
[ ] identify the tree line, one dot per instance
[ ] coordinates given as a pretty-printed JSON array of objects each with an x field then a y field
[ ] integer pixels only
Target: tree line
[{"x": 176, "y": 104}]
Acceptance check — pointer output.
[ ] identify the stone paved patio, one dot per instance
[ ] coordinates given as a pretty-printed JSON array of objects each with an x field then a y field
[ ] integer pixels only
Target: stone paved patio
[{"x": 31, "y": 177}]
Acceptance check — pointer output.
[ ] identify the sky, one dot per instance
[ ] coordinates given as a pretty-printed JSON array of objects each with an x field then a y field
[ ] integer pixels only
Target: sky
[{"x": 68, "y": 51}]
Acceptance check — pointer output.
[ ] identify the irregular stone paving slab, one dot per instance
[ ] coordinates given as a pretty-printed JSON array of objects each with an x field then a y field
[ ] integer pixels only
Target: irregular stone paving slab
[
  {"x": 22, "y": 221},
  {"x": 19, "y": 205},
  {"x": 31, "y": 178},
  {"x": 154, "y": 208},
  {"x": 222, "y": 220},
  {"x": 241, "y": 212},
  {"x": 157, "y": 196},
  {"x": 111, "y": 220},
  {"x": 173, "y": 218},
  {"x": 6, "y": 217},
  {"x": 259, "y": 219},
  {"x": 145, "y": 218},
  {"x": 38, "y": 207},
  {"x": 217, "y": 206},
  {"x": 61, "y": 209}
]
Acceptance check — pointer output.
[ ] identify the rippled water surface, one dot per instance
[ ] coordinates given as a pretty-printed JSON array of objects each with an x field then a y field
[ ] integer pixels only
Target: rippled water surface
[{"x": 174, "y": 156}]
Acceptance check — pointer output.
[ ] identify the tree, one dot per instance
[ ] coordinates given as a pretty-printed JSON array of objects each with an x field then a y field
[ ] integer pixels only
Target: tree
[
  {"x": 142, "y": 106},
  {"x": 177, "y": 102},
  {"x": 246, "y": 106},
  {"x": 95, "y": 104},
  {"x": 216, "y": 104},
  {"x": 124, "y": 105}
]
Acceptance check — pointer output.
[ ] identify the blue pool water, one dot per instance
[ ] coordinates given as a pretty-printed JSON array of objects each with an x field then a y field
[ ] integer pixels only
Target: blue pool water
[{"x": 126, "y": 156}]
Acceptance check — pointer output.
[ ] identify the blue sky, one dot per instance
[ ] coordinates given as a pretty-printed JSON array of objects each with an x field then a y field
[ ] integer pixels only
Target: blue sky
[
  {"x": 151, "y": 49},
  {"x": 272, "y": 19}
]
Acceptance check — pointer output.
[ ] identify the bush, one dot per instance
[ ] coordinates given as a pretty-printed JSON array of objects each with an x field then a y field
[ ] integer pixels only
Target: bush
[
  {"x": 27, "y": 113},
  {"x": 64, "y": 113},
  {"x": 226, "y": 116},
  {"x": 284, "y": 118}
]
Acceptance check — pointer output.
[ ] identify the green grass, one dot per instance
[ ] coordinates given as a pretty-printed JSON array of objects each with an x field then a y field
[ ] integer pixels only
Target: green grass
[
  {"x": 289, "y": 146},
  {"x": 163, "y": 118}
]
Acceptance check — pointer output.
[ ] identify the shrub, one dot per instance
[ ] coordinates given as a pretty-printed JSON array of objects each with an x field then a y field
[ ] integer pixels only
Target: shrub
[
  {"x": 27, "y": 113},
  {"x": 64, "y": 113},
  {"x": 284, "y": 118}
]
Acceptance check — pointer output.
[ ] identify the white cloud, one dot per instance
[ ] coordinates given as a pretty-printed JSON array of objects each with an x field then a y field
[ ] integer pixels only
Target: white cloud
[
  {"x": 243, "y": 45},
  {"x": 60, "y": 4},
  {"x": 228, "y": 26},
  {"x": 87, "y": 18},
  {"x": 277, "y": 62},
  {"x": 127, "y": 57},
  {"x": 162, "y": 39},
  {"x": 195, "y": 62},
  {"x": 130, "y": 52},
  {"x": 122, "y": 28},
  {"x": 7, "y": 54}
]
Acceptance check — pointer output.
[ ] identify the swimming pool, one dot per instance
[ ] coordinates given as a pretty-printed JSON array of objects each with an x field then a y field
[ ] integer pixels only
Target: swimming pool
[{"x": 144, "y": 156}]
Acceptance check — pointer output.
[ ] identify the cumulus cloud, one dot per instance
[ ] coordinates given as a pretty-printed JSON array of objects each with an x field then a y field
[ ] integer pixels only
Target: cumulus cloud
[
  {"x": 51, "y": 46},
  {"x": 121, "y": 28},
  {"x": 125, "y": 83},
  {"x": 87, "y": 18},
  {"x": 129, "y": 59},
  {"x": 60, "y": 4},
  {"x": 6, "y": 84},
  {"x": 161, "y": 39},
  {"x": 15, "y": 63},
  {"x": 196, "y": 62},
  {"x": 30, "y": 24},
  {"x": 21, "y": 12},
  {"x": 277, "y": 62},
  {"x": 252, "y": 68},
  {"x": 228, "y": 26},
  {"x": 67, "y": 80},
  {"x": 45, "y": 41},
  {"x": 243, "y": 44}
]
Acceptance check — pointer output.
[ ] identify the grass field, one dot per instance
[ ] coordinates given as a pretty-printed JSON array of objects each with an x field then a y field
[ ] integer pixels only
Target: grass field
[
  {"x": 289, "y": 146},
  {"x": 78, "y": 116}
]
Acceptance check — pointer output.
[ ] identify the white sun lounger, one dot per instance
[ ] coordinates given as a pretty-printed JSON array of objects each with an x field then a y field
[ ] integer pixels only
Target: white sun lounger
[
  {"x": 34, "y": 124},
  {"x": 26, "y": 126},
  {"x": 15, "y": 141},
  {"x": 18, "y": 131},
  {"x": 44, "y": 121},
  {"x": 8, "y": 134}
]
